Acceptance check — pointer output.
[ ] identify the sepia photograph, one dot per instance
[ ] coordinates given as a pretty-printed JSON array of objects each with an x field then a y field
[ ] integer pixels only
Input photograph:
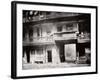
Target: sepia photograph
[
  {"x": 53, "y": 40},
  {"x": 56, "y": 39}
]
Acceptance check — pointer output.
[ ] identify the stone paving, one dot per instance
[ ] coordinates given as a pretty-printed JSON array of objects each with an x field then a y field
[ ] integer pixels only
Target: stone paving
[{"x": 51, "y": 65}]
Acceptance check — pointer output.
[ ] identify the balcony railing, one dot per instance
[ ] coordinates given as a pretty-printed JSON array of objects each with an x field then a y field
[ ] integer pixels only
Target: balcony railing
[
  {"x": 84, "y": 37},
  {"x": 59, "y": 37},
  {"x": 51, "y": 38},
  {"x": 38, "y": 39},
  {"x": 65, "y": 36}
]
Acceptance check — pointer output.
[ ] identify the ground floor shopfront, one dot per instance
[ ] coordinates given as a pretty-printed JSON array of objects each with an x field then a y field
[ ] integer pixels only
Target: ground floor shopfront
[{"x": 59, "y": 52}]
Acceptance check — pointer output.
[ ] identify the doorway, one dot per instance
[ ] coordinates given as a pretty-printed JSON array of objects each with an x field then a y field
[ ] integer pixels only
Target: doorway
[
  {"x": 49, "y": 54},
  {"x": 61, "y": 51}
]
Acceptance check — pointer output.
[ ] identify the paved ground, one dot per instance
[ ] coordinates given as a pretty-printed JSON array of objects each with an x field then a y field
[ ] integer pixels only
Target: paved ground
[{"x": 51, "y": 65}]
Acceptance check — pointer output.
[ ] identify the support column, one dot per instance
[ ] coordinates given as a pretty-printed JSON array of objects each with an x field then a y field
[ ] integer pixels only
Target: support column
[
  {"x": 64, "y": 28},
  {"x": 24, "y": 56},
  {"x": 28, "y": 55},
  {"x": 27, "y": 36},
  {"x": 77, "y": 27},
  {"x": 33, "y": 33},
  {"x": 55, "y": 55}
]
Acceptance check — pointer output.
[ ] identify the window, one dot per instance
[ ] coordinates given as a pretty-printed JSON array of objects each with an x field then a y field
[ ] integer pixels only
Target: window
[
  {"x": 39, "y": 51},
  {"x": 38, "y": 32},
  {"x": 48, "y": 32},
  {"x": 30, "y": 34},
  {"x": 59, "y": 29},
  {"x": 69, "y": 27}
]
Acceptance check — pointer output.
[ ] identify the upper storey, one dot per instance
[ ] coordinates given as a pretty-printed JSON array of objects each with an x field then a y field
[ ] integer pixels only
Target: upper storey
[
  {"x": 48, "y": 27},
  {"x": 31, "y": 16}
]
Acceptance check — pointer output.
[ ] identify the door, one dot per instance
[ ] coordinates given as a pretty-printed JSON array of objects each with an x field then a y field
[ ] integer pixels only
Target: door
[
  {"x": 70, "y": 52},
  {"x": 61, "y": 51},
  {"x": 49, "y": 53}
]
